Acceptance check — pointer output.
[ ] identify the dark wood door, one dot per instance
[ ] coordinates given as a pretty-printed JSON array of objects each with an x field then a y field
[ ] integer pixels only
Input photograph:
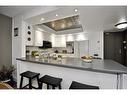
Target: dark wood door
[
  {"x": 113, "y": 46},
  {"x": 125, "y": 46}
]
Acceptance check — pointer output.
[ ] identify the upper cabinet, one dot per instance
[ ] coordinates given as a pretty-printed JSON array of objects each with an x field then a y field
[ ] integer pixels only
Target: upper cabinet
[
  {"x": 38, "y": 38},
  {"x": 59, "y": 41},
  {"x": 77, "y": 37}
]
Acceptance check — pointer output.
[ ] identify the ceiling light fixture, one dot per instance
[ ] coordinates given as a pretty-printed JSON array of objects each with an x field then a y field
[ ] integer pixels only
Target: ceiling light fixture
[
  {"x": 63, "y": 25},
  {"x": 53, "y": 25},
  {"x": 75, "y": 10},
  {"x": 42, "y": 19},
  {"x": 121, "y": 25},
  {"x": 56, "y": 15}
]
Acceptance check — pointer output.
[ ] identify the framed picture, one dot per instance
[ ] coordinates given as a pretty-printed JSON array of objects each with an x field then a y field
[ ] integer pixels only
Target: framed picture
[{"x": 16, "y": 30}]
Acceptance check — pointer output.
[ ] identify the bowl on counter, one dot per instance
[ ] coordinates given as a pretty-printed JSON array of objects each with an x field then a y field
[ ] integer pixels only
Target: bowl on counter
[{"x": 87, "y": 59}]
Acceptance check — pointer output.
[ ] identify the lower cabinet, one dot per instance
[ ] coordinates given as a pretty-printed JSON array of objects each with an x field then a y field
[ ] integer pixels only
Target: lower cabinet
[{"x": 103, "y": 80}]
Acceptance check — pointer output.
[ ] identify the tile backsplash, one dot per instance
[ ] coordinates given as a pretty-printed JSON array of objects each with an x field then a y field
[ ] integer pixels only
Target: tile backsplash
[
  {"x": 29, "y": 49},
  {"x": 67, "y": 50}
]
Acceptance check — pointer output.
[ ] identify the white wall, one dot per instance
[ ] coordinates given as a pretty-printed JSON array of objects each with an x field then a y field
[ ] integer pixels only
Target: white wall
[
  {"x": 96, "y": 43},
  {"x": 18, "y": 42},
  {"x": 31, "y": 42},
  {"x": 5, "y": 41}
]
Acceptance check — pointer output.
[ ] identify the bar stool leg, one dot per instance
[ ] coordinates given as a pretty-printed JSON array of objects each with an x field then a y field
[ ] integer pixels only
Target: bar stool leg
[
  {"x": 53, "y": 87},
  {"x": 59, "y": 86},
  {"x": 21, "y": 81},
  {"x": 40, "y": 85},
  {"x": 30, "y": 84},
  {"x": 47, "y": 86},
  {"x": 38, "y": 81}
]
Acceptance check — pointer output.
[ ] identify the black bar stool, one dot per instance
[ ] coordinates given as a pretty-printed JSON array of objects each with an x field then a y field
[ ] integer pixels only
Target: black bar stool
[
  {"x": 49, "y": 80},
  {"x": 77, "y": 85},
  {"x": 30, "y": 75}
]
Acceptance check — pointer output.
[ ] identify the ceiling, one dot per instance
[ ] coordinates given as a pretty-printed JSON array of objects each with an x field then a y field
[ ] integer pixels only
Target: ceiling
[
  {"x": 92, "y": 18},
  {"x": 100, "y": 18},
  {"x": 12, "y": 11},
  {"x": 64, "y": 24}
]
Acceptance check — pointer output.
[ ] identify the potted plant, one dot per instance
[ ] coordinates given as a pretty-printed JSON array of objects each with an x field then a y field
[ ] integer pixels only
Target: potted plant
[{"x": 6, "y": 73}]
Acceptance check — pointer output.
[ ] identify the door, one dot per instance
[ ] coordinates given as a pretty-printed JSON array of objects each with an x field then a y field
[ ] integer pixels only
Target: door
[
  {"x": 113, "y": 46},
  {"x": 125, "y": 46}
]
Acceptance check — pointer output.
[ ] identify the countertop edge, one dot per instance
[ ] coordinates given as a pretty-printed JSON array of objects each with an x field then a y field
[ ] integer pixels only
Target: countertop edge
[{"x": 73, "y": 67}]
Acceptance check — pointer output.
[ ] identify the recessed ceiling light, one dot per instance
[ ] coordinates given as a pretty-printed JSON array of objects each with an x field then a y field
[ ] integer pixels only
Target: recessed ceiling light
[
  {"x": 69, "y": 24},
  {"x": 53, "y": 25},
  {"x": 75, "y": 10},
  {"x": 42, "y": 19},
  {"x": 121, "y": 25},
  {"x": 63, "y": 25},
  {"x": 56, "y": 14}
]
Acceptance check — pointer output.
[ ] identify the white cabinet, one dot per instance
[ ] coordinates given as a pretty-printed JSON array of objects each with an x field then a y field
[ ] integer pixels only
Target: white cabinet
[
  {"x": 77, "y": 37},
  {"x": 70, "y": 37},
  {"x": 59, "y": 41},
  {"x": 38, "y": 38},
  {"x": 103, "y": 80}
]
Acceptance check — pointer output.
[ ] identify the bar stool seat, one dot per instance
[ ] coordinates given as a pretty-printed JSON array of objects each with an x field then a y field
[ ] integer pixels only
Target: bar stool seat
[
  {"x": 30, "y": 75},
  {"x": 77, "y": 85},
  {"x": 52, "y": 81}
]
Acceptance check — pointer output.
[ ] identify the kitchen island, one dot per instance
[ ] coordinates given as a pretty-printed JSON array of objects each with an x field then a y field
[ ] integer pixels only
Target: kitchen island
[{"x": 107, "y": 74}]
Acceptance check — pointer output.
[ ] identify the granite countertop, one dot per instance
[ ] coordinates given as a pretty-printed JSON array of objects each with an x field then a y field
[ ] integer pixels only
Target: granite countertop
[{"x": 97, "y": 65}]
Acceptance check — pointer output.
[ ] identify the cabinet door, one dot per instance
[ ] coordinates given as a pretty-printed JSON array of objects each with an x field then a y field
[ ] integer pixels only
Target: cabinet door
[
  {"x": 60, "y": 41},
  {"x": 38, "y": 38}
]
